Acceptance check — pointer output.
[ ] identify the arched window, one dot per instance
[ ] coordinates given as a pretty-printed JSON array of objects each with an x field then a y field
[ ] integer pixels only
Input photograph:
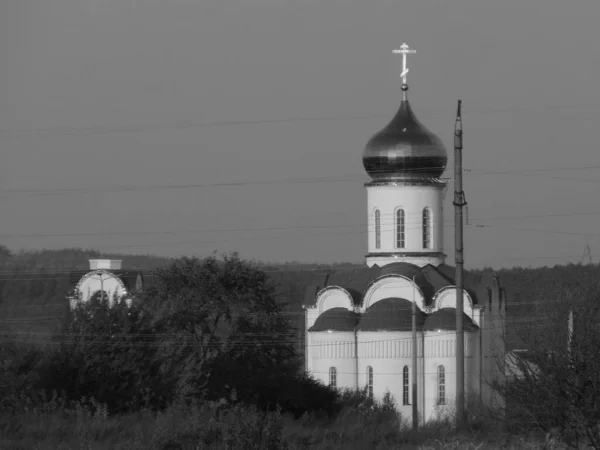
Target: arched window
[
  {"x": 426, "y": 228},
  {"x": 400, "y": 228},
  {"x": 441, "y": 385},
  {"x": 405, "y": 386},
  {"x": 377, "y": 229},
  {"x": 333, "y": 377},
  {"x": 370, "y": 381}
]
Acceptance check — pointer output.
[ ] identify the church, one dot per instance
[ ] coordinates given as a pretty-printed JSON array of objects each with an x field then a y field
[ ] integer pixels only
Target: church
[
  {"x": 107, "y": 279},
  {"x": 358, "y": 324}
]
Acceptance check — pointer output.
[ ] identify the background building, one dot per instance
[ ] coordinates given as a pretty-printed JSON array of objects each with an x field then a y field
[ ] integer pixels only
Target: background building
[{"x": 107, "y": 279}]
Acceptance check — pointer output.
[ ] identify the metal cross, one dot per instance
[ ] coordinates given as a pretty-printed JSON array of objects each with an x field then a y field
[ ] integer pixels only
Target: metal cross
[{"x": 404, "y": 50}]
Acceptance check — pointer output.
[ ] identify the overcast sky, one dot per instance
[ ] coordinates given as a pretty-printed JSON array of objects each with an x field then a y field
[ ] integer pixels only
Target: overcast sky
[{"x": 98, "y": 94}]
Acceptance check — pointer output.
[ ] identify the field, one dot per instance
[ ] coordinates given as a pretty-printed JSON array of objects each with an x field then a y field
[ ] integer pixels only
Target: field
[{"x": 87, "y": 426}]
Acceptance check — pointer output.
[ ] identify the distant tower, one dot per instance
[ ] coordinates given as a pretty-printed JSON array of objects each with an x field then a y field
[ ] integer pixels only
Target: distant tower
[{"x": 405, "y": 195}]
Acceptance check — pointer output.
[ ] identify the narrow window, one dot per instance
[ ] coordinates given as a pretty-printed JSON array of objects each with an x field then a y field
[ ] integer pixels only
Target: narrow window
[
  {"x": 400, "y": 228},
  {"x": 405, "y": 386},
  {"x": 377, "y": 229},
  {"x": 370, "y": 381},
  {"x": 441, "y": 385},
  {"x": 333, "y": 377},
  {"x": 426, "y": 228}
]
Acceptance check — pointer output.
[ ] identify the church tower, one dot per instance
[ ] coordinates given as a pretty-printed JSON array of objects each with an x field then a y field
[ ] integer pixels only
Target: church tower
[{"x": 405, "y": 194}]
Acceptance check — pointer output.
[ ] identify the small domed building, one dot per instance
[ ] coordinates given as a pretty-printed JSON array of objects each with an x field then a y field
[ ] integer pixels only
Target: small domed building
[
  {"x": 359, "y": 322},
  {"x": 106, "y": 278}
]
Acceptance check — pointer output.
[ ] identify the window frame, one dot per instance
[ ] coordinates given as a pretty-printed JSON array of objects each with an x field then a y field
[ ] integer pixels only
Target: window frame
[
  {"x": 333, "y": 377},
  {"x": 406, "y": 386},
  {"x": 441, "y": 381},
  {"x": 400, "y": 228},
  {"x": 377, "y": 229},
  {"x": 426, "y": 227}
]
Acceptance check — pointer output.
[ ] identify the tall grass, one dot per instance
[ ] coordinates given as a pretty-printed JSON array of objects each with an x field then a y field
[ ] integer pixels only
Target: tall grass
[{"x": 359, "y": 424}]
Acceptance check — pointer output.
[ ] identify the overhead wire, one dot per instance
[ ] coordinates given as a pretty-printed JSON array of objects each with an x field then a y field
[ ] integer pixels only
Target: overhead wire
[
  {"x": 14, "y": 133},
  {"x": 386, "y": 218},
  {"x": 292, "y": 180}
]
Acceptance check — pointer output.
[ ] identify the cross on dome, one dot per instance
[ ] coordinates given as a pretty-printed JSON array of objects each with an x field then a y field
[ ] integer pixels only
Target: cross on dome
[{"x": 404, "y": 50}]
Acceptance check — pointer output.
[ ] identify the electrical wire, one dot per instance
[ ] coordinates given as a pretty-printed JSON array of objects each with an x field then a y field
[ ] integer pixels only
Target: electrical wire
[
  {"x": 239, "y": 183},
  {"x": 14, "y": 133},
  {"x": 386, "y": 219}
]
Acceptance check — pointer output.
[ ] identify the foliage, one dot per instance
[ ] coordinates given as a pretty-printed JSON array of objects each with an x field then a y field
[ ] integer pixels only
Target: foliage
[
  {"x": 106, "y": 351},
  {"x": 221, "y": 327},
  {"x": 558, "y": 382},
  {"x": 58, "y": 425}
]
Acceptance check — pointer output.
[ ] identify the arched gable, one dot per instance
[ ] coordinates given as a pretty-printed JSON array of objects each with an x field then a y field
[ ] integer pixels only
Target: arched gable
[
  {"x": 446, "y": 298},
  {"x": 333, "y": 297},
  {"x": 90, "y": 283},
  {"x": 393, "y": 286}
]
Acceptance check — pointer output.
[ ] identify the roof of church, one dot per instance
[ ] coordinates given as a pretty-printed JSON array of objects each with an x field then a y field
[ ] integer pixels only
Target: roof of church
[
  {"x": 390, "y": 314},
  {"x": 430, "y": 280},
  {"x": 445, "y": 319},
  {"x": 404, "y": 150},
  {"x": 336, "y": 319}
]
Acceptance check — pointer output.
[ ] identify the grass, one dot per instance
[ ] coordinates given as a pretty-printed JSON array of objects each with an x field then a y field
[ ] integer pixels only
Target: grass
[{"x": 87, "y": 426}]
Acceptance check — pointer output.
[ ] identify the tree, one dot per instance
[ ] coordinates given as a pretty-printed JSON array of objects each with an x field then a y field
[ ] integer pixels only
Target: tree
[
  {"x": 556, "y": 382},
  {"x": 105, "y": 350},
  {"x": 221, "y": 324}
]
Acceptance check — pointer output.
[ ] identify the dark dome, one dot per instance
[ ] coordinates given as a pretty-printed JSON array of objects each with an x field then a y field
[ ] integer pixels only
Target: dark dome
[
  {"x": 404, "y": 150},
  {"x": 336, "y": 319},
  {"x": 445, "y": 319},
  {"x": 390, "y": 314}
]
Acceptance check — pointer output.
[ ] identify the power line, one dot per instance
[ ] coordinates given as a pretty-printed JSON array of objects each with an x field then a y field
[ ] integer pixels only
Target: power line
[
  {"x": 16, "y": 133},
  {"x": 68, "y": 274},
  {"x": 390, "y": 220},
  {"x": 325, "y": 179},
  {"x": 334, "y": 232}
]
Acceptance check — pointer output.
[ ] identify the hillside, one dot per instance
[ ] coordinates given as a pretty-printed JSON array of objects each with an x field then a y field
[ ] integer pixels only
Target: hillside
[{"x": 33, "y": 286}]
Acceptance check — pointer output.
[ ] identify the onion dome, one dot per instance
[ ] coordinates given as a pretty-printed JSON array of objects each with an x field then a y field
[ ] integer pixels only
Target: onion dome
[
  {"x": 405, "y": 149},
  {"x": 445, "y": 319},
  {"x": 390, "y": 314},
  {"x": 336, "y": 319}
]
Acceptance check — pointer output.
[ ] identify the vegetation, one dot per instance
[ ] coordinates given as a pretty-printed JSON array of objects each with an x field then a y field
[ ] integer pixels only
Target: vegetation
[
  {"x": 206, "y": 358},
  {"x": 558, "y": 387}
]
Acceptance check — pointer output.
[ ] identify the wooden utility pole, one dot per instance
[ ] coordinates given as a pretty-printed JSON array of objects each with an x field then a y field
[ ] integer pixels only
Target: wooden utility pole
[
  {"x": 415, "y": 409},
  {"x": 459, "y": 203}
]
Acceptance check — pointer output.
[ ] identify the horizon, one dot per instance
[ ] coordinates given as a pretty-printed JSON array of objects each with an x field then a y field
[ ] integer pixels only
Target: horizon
[{"x": 124, "y": 256}]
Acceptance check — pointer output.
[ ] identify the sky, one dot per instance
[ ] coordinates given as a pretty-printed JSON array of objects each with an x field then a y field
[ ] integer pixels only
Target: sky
[{"x": 120, "y": 118}]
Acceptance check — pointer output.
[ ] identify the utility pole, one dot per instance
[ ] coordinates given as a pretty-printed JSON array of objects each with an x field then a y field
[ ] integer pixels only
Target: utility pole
[
  {"x": 459, "y": 203},
  {"x": 415, "y": 409}
]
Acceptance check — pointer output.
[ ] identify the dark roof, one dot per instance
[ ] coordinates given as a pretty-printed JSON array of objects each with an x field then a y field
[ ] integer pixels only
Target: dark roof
[
  {"x": 430, "y": 280},
  {"x": 355, "y": 281},
  {"x": 390, "y": 314},
  {"x": 404, "y": 150},
  {"x": 445, "y": 319},
  {"x": 336, "y": 319}
]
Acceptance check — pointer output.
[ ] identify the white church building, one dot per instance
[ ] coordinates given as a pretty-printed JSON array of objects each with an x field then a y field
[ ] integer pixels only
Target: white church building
[
  {"x": 358, "y": 323},
  {"x": 107, "y": 279}
]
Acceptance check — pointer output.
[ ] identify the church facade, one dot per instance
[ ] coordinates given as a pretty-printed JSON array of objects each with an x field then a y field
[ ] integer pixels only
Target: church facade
[
  {"x": 358, "y": 323},
  {"x": 105, "y": 279}
]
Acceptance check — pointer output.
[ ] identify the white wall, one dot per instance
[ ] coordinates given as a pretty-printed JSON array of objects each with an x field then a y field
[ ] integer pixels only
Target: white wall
[
  {"x": 387, "y": 352},
  {"x": 440, "y": 349},
  {"x": 393, "y": 286},
  {"x": 92, "y": 283},
  {"x": 333, "y": 349},
  {"x": 413, "y": 199}
]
